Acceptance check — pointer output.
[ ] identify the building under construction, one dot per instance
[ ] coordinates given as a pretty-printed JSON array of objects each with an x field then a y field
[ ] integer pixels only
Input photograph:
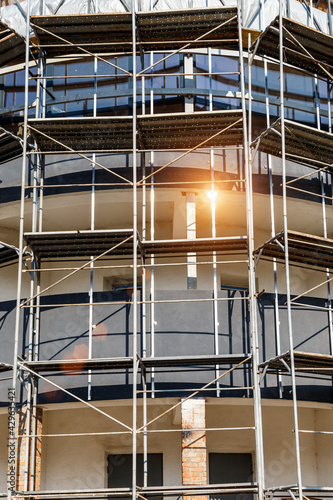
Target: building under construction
[{"x": 166, "y": 234}]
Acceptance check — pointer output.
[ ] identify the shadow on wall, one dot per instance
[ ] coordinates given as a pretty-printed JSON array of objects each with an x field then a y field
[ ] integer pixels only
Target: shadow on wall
[{"x": 180, "y": 329}]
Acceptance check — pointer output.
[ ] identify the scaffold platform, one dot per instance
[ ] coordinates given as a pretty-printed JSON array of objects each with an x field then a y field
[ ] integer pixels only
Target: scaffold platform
[
  {"x": 176, "y": 131},
  {"x": 305, "y": 362},
  {"x": 121, "y": 363},
  {"x": 112, "y": 32},
  {"x": 180, "y": 246},
  {"x": 65, "y": 244},
  {"x": 303, "y": 47},
  {"x": 12, "y": 46},
  {"x": 303, "y": 144},
  {"x": 10, "y": 146},
  {"x": 302, "y": 248}
]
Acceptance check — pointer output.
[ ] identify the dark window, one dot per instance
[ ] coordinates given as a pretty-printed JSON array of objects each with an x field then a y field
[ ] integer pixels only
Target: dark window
[
  {"x": 230, "y": 468},
  {"x": 120, "y": 471}
]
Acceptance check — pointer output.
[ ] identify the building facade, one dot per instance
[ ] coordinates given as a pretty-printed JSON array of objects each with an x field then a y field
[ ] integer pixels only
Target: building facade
[{"x": 166, "y": 246}]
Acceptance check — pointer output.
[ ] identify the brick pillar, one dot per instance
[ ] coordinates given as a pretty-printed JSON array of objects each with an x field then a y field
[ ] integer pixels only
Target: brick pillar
[
  {"x": 38, "y": 448},
  {"x": 22, "y": 443},
  {"x": 194, "y": 449}
]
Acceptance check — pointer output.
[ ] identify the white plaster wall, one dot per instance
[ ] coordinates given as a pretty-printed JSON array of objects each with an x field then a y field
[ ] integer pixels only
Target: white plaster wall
[
  {"x": 81, "y": 462},
  {"x": 114, "y": 210},
  {"x": 324, "y": 422},
  {"x": 279, "y": 444},
  {"x": 8, "y": 275},
  {"x": 279, "y": 439}
]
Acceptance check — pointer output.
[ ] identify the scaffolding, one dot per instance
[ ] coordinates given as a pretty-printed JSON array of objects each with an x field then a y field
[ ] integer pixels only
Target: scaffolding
[
  {"x": 288, "y": 42},
  {"x": 98, "y": 36}
]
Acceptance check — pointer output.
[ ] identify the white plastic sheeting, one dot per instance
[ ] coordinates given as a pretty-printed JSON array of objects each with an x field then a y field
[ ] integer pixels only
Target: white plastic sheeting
[{"x": 257, "y": 13}]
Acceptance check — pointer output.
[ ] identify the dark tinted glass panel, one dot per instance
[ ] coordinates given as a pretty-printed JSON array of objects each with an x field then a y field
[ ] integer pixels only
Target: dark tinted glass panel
[
  {"x": 120, "y": 470},
  {"x": 230, "y": 468}
]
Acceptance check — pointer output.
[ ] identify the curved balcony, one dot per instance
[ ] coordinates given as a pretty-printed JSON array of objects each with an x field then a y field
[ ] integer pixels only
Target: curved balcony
[{"x": 166, "y": 248}]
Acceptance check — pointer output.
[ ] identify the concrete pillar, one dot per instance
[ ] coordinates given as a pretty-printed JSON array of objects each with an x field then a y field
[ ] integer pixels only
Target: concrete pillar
[{"x": 194, "y": 448}]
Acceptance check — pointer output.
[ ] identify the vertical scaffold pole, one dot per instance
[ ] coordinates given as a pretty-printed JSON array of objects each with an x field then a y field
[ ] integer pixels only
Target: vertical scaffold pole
[
  {"x": 92, "y": 227},
  {"x": 36, "y": 226},
  {"x": 323, "y": 176},
  {"x": 329, "y": 104},
  {"x": 213, "y": 212},
  {"x": 271, "y": 198},
  {"x": 251, "y": 271},
  {"x": 144, "y": 298},
  {"x": 329, "y": 13},
  {"x": 311, "y": 12},
  {"x": 152, "y": 237},
  {"x": 31, "y": 409},
  {"x": 329, "y": 91},
  {"x": 135, "y": 223},
  {"x": 21, "y": 232},
  {"x": 285, "y": 228}
]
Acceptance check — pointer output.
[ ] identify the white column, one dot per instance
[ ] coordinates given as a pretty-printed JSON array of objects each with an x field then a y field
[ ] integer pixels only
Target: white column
[{"x": 191, "y": 233}]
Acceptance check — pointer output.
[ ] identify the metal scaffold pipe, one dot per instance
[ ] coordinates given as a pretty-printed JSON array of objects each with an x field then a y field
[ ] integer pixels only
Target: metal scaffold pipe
[
  {"x": 286, "y": 251},
  {"x": 135, "y": 270},
  {"x": 251, "y": 269},
  {"x": 21, "y": 244}
]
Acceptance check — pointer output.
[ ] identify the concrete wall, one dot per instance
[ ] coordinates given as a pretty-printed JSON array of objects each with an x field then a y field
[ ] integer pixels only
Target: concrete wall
[
  {"x": 180, "y": 329},
  {"x": 324, "y": 422},
  {"x": 81, "y": 462},
  {"x": 114, "y": 210}
]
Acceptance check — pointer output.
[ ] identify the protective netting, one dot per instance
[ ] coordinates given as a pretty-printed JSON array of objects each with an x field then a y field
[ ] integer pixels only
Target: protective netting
[{"x": 256, "y": 13}]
